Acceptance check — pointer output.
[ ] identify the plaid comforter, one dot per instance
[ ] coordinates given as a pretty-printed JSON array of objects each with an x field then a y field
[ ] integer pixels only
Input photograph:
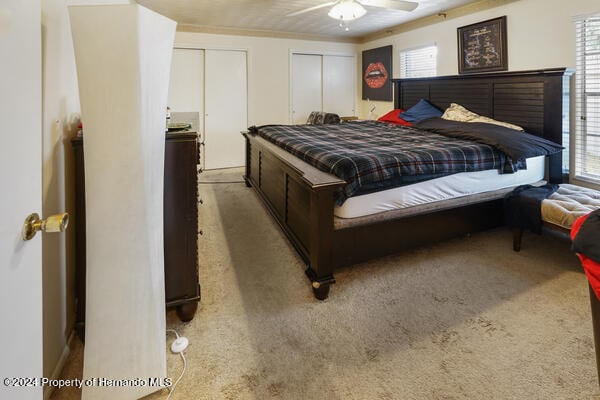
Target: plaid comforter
[{"x": 372, "y": 156}]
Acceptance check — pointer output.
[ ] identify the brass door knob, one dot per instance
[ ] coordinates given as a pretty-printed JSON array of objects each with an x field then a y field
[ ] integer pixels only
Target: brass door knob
[{"x": 33, "y": 224}]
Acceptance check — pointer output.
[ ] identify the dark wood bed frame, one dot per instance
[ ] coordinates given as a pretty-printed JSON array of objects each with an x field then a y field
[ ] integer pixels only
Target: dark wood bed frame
[{"x": 301, "y": 198}]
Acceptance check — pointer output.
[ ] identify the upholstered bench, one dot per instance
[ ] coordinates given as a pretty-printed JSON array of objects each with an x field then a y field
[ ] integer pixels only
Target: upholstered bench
[{"x": 562, "y": 208}]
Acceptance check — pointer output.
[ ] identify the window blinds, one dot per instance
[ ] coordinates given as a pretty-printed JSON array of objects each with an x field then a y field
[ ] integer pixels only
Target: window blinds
[
  {"x": 587, "y": 106},
  {"x": 419, "y": 62}
]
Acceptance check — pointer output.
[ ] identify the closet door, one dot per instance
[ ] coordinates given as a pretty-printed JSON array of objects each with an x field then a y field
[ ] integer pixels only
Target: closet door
[
  {"x": 186, "y": 85},
  {"x": 225, "y": 109},
  {"x": 306, "y": 86},
  {"x": 339, "y": 85}
]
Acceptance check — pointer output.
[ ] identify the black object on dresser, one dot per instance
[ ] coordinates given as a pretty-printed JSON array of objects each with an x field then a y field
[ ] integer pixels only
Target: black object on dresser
[{"x": 182, "y": 288}]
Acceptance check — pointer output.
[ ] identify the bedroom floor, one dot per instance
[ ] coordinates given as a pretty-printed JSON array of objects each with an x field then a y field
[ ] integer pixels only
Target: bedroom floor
[{"x": 463, "y": 319}]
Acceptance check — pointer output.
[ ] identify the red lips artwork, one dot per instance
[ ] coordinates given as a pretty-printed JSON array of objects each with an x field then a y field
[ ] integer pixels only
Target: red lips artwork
[{"x": 375, "y": 75}]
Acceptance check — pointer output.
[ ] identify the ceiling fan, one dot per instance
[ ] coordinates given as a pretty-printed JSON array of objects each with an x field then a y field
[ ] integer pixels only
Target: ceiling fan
[{"x": 348, "y": 10}]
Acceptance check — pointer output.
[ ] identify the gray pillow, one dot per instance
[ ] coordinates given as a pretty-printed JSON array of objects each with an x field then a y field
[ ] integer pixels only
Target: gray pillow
[{"x": 318, "y": 118}]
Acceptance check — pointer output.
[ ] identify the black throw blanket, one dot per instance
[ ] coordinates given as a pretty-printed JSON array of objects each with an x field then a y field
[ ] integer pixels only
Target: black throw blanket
[
  {"x": 587, "y": 240},
  {"x": 523, "y": 206},
  {"x": 515, "y": 144}
]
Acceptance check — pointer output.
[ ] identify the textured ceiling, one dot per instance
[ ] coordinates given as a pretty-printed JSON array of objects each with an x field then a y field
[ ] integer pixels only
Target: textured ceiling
[{"x": 269, "y": 16}]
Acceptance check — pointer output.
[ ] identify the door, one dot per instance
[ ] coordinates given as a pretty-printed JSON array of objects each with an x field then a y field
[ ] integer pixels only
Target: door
[
  {"x": 306, "y": 86},
  {"x": 186, "y": 83},
  {"x": 339, "y": 83},
  {"x": 20, "y": 178},
  {"x": 225, "y": 108},
  {"x": 213, "y": 83},
  {"x": 322, "y": 83}
]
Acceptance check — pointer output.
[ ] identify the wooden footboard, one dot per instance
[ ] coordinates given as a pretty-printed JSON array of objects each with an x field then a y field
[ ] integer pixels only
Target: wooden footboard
[{"x": 301, "y": 199}]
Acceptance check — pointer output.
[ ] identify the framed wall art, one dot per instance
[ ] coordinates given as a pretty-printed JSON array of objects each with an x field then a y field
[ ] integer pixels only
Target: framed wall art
[
  {"x": 377, "y": 74},
  {"x": 482, "y": 47}
]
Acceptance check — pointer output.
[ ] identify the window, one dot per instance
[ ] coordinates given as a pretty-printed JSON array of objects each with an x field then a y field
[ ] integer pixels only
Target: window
[
  {"x": 419, "y": 62},
  {"x": 587, "y": 105}
]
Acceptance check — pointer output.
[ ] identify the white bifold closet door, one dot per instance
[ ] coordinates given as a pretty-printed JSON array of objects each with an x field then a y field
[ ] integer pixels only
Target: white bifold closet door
[
  {"x": 214, "y": 84},
  {"x": 322, "y": 83},
  {"x": 186, "y": 85},
  {"x": 339, "y": 85},
  {"x": 225, "y": 109},
  {"x": 307, "y": 81}
]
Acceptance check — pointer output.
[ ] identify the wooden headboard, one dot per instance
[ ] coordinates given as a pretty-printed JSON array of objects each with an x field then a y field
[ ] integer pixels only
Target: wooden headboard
[{"x": 536, "y": 100}]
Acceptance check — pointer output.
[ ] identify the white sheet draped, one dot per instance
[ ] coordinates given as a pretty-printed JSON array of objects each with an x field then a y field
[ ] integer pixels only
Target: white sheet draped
[{"x": 123, "y": 56}]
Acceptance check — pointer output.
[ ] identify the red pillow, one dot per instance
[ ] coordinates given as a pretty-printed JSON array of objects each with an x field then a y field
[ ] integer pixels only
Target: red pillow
[{"x": 394, "y": 117}]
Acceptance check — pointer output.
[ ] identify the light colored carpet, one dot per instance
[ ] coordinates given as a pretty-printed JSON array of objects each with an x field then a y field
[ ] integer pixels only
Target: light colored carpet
[{"x": 462, "y": 319}]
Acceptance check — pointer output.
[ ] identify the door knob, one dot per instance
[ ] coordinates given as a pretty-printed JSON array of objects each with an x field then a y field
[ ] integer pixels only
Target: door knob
[{"x": 54, "y": 223}]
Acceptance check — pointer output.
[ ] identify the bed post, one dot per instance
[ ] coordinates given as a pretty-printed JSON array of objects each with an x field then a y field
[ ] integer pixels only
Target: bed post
[{"x": 320, "y": 268}]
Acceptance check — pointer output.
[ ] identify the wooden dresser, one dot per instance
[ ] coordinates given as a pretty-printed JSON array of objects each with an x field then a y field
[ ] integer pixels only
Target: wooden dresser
[{"x": 182, "y": 288}]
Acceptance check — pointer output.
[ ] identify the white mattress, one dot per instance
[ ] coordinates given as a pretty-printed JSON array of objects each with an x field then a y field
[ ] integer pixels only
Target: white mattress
[{"x": 447, "y": 187}]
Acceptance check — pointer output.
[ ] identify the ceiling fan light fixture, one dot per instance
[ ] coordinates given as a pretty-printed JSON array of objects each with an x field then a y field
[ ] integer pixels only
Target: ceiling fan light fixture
[{"x": 347, "y": 11}]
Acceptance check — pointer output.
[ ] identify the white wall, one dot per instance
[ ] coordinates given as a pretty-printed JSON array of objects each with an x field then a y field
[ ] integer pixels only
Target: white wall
[
  {"x": 268, "y": 68},
  {"x": 540, "y": 34}
]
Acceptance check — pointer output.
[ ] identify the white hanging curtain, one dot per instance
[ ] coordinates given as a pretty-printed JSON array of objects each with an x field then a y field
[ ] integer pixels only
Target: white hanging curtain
[{"x": 123, "y": 55}]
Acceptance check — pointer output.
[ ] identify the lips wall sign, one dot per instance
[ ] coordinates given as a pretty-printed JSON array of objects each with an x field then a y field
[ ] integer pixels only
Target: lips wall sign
[{"x": 377, "y": 74}]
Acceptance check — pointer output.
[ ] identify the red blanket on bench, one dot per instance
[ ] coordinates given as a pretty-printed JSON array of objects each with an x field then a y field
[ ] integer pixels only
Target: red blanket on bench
[{"x": 591, "y": 267}]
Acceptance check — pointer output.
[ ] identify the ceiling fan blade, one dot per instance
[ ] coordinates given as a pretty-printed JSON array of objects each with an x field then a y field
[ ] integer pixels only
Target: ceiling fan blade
[
  {"x": 400, "y": 5},
  {"x": 311, "y": 9}
]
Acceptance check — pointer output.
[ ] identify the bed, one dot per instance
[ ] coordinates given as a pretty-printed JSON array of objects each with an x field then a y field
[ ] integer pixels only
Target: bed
[{"x": 305, "y": 200}]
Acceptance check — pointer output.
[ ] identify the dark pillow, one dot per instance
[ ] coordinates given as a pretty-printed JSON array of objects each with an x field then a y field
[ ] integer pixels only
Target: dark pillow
[
  {"x": 394, "y": 117},
  {"x": 420, "y": 111}
]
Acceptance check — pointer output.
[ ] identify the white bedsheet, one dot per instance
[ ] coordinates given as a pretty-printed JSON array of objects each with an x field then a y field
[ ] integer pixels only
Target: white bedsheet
[{"x": 447, "y": 187}]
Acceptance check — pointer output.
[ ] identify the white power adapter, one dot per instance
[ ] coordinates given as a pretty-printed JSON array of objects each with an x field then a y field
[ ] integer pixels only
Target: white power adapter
[{"x": 179, "y": 344}]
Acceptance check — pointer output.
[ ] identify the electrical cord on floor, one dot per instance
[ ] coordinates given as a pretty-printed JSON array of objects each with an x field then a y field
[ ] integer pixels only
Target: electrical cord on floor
[{"x": 172, "y": 388}]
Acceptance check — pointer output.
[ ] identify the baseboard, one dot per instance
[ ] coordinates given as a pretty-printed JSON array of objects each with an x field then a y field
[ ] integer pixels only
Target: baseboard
[{"x": 59, "y": 366}]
